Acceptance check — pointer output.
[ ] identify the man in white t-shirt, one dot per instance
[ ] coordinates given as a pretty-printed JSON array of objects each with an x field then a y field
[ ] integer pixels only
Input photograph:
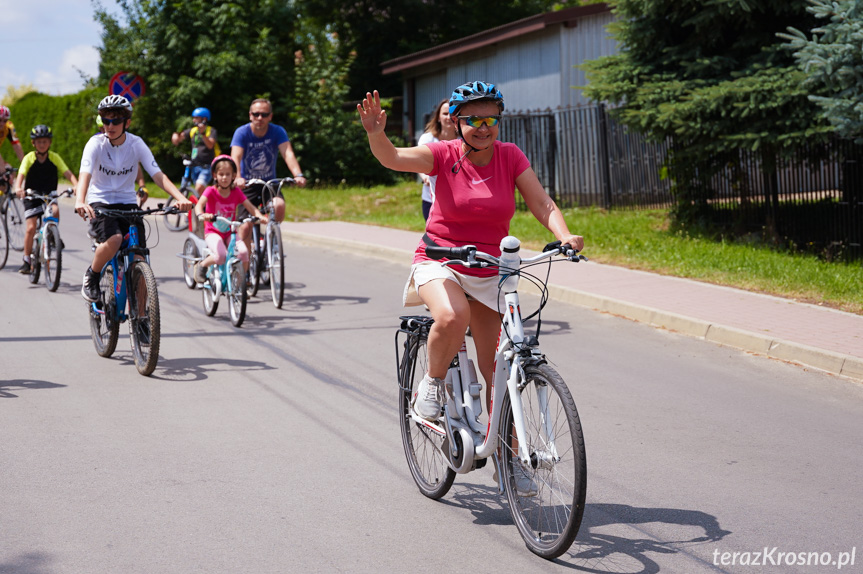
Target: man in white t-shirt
[{"x": 109, "y": 167}]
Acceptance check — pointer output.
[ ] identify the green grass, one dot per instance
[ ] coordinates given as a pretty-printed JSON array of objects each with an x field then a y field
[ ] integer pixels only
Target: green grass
[{"x": 634, "y": 239}]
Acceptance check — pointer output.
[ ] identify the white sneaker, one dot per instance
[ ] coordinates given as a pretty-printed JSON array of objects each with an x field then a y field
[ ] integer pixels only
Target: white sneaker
[
  {"x": 524, "y": 484},
  {"x": 429, "y": 398}
]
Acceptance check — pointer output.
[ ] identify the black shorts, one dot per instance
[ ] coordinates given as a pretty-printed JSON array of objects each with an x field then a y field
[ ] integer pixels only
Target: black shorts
[
  {"x": 33, "y": 207},
  {"x": 259, "y": 195},
  {"x": 105, "y": 226}
]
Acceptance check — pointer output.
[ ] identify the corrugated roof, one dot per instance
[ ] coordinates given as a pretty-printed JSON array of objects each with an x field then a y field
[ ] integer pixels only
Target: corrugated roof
[{"x": 492, "y": 36}]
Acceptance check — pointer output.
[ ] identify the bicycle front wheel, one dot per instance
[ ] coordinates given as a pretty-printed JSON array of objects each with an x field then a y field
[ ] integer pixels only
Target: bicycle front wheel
[
  {"x": 277, "y": 266},
  {"x": 422, "y": 442},
  {"x": 35, "y": 260},
  {"x": 176, "y": 221},
  {"x": 546, "y": 497},
  {"x": 4, "y": 243},
  {"x": 53, "y": 258},
  {"x": 237, "y": 293},
  {"x": 190, "y": 254},
  {"x": 104, "y": 327},
  {"x": 15, "y": 223},
  {"x": 144, "y": 328}
]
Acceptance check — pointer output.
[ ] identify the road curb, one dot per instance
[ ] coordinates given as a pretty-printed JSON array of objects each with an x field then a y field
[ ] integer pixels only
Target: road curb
[{"x": 821, "y": 359}]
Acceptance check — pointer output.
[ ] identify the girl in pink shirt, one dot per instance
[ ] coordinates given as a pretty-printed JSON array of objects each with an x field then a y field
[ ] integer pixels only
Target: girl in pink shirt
[
  {"x": 474, "y": 202},
  {"x": 222, "y": 198}
]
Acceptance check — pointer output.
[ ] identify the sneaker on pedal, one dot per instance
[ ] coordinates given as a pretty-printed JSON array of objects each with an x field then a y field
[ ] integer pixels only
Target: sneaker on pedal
[
  {"x": 429, "y": 398},
  {"x": 25, "y": 268},
  {"x": 200, "y": 273},
  {"x": 143, "y": 331},
  {"x": 90, "y": 290},
  {"x": 524, "y": 484}
]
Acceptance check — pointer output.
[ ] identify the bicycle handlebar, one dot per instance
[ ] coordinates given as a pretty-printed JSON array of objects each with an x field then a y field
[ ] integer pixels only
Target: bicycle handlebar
[
  {"x": 236, "y": 224},
  {"x": 136, "y": 212},
  {"x": 270, "y": 183},
  {"x": 470, "y": 256},
  {"x": 32, "y": 193}
]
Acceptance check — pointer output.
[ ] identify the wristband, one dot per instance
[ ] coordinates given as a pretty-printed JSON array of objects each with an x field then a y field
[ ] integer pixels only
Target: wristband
[{"x": 299, "y": 175}]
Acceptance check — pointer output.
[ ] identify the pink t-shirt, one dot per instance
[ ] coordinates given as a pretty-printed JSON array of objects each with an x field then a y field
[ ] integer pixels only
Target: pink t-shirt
[
  {"x": 475, "y": 205},
  {"x": 224, "y": 206}
]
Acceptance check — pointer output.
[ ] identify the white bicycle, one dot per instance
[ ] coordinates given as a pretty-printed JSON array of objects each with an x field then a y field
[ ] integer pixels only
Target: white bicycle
[{"x": 533, "y": 434}]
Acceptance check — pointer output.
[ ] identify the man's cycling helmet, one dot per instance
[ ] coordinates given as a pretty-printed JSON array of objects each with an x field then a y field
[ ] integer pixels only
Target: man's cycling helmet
[
  {"x": 201, "y": 113},
  {"x": 223, "y": 157},
  {"x": 474, "y": 92},
  {"x": 41, "y": 131},
  {"x": 5, "y": 113},
  {"x": 115, "y": 103}
]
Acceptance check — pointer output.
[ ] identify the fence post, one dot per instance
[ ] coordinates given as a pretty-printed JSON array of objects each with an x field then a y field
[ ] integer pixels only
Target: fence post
[
  {"x": 552, "y": 157},
  {"x": 603, "y": 159}
]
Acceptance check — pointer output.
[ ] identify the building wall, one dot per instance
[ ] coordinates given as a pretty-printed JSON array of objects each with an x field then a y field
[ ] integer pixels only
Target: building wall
[{"x": 534, "y": 72}]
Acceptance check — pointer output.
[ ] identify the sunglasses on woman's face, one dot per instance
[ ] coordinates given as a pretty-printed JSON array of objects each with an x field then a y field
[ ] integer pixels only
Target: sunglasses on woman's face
[
  {"x": 113, "y": 121},
  {"x": 478, "y": 121}
]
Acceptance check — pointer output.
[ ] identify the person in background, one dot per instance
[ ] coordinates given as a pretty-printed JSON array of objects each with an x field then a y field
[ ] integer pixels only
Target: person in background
[
  {"x": 7, "y": 131},
  {"x": 40, "y": 172},
  {"x": 204, "y": 147},
  {"x": 439, "y": 128}
]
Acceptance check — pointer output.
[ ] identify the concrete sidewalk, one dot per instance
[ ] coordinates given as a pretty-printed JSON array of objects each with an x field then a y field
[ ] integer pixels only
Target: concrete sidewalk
[{"x": 810, "y": 335}]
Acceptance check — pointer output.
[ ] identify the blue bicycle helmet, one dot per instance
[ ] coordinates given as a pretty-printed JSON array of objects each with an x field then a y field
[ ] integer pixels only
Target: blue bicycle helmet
[
  {"x": 201, "y": 113},
  {"x": 474, "y": 92}
]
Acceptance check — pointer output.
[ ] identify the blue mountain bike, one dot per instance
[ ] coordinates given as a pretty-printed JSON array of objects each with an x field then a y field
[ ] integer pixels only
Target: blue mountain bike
[{"x": 128, "y": 278}]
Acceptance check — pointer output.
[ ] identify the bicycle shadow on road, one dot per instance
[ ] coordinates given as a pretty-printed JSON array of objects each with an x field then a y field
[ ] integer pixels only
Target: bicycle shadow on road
[
  {"x": 192, "y": 369},
  {"x": 28, "y": 563},
  {"x": 24, "y": 384},
  {"x": 602, "y": 552}
]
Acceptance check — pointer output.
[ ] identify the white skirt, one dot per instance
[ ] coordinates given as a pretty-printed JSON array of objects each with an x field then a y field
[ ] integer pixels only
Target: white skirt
[{"x": 482, "y": 289}]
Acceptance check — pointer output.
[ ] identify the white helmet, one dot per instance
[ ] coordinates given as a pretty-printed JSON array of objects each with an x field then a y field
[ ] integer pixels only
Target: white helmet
[{"x": 114, "y": 102}]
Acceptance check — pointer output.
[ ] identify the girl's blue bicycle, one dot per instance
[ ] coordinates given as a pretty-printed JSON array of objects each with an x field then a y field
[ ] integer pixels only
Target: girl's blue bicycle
[
  {"x": 128, "y": 277},
  {"x": 229, "y": 278}
]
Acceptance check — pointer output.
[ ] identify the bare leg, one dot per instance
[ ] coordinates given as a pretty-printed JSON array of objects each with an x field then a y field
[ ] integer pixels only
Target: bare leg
[
  {"x": 451, "y": 312},
  {"x": 29, "y": 234},
  {"x": 105, "y": 251},
  {"x": 279, "y": 205},
  {"x": 484, "y": 328}
]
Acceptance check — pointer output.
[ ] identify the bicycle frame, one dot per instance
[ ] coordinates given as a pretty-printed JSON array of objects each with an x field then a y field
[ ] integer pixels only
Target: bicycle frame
[
  {"x": 125, "y": 255},
  {"x": 222, "y": 272}
]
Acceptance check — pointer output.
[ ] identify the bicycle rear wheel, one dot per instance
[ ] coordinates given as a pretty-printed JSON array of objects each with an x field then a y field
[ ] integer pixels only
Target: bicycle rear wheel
[
  {"x": 104, "y": 327},
  {"x": 4, "y": 243},
  {"x": 548, "y": 514},
  {"x": 176, "y": 221},
  {"x": 15, "y": 223},
  {"x": 254, "y": 265},
  {"x": 237, "y": 293},
  {"x": 277, "y": 266},
  {"x": 35, "y": 260},
  {"x": 144, "y": 328},
  {"x": 53, "y": 257},
  {"x": 190, "y": 252},
  {"x": 422, "y": 442}
]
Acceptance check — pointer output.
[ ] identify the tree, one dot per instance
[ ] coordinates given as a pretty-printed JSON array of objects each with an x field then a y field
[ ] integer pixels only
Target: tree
[
  {"x": 329, "y": 135},
  {"x": 832, "y": 63},
  {"x": 220, "y": 55},
  {"x": 380, "y": 30},
  {"x": 712, "y": 75}
]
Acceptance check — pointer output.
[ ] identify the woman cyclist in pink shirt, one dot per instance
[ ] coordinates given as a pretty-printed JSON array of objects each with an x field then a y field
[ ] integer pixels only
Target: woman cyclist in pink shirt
[{"x": 474, "y": 202}]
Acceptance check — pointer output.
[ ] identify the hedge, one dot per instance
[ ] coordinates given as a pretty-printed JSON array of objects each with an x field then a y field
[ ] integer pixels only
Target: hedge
[{"x": 71, "y": 117}]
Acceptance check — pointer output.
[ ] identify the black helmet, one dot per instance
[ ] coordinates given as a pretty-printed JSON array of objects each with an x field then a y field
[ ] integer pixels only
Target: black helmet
[{"x": 41, "y": 131}]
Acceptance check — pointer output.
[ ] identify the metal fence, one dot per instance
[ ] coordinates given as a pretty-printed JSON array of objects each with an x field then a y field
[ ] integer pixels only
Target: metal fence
[
  {"x": 811, "y": 197},
  {"x": 583, "y": 157}
]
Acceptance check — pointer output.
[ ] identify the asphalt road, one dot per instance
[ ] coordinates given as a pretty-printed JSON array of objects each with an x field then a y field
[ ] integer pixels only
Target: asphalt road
[{"x": 275, "y": 447}]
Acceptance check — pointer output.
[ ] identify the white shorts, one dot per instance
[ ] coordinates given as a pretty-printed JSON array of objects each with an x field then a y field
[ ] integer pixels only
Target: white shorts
[{"x": 482, "y": 289}]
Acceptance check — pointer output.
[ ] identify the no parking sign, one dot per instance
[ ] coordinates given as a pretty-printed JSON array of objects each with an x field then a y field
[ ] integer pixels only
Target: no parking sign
[{"x": 126, "y": 84}]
